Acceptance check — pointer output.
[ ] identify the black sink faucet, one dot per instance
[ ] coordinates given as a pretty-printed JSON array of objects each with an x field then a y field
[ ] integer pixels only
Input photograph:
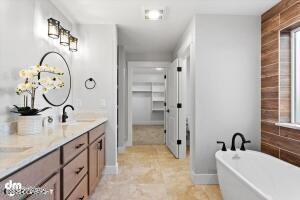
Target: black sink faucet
[
  {"x": 244, "y": 141},
  {"x": 65, "y": 116}
]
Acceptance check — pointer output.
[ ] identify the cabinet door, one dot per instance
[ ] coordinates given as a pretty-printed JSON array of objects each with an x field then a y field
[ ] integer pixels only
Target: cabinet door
[
  {"x": 96, "y": 162},
  {"x": 101, "y": 153},
  {"x": 52, "y": 186}
]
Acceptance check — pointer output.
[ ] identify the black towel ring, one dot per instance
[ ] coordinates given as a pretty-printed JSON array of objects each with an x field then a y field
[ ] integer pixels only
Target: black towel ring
[{"x": 90, "y": 87}]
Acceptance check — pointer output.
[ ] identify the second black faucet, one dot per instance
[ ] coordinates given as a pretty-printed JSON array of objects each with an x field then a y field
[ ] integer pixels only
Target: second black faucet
[{"x": 64, "y": 115}]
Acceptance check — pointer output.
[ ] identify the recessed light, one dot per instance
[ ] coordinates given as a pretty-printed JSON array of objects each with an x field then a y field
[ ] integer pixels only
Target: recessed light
[
  {"x": 154, "y": 14},
  {"x": 159, "y": 68}
]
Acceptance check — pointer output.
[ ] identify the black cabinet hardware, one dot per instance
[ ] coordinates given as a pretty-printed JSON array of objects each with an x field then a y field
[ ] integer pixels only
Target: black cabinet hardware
[
  {"x": 79, "y": 145},
  {"x": 79, "y": 170}
]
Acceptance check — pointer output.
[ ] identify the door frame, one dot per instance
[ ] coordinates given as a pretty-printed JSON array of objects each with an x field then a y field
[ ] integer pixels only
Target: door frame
[
  {"x": 181, "y": 119},
  {"x": 130, "y": 68}
]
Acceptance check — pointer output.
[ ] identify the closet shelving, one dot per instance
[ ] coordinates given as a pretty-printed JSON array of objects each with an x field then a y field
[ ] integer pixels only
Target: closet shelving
[
  {"x": 157, "y": 90},
  {"x": 158, "y": 96}
]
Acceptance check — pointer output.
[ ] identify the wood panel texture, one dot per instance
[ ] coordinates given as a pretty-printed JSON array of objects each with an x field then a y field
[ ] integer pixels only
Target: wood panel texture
[{"x": 283, "y": 143}]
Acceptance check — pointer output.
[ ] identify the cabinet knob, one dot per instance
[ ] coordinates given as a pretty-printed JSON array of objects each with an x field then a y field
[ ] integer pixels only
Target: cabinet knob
[{"x": 79, "y": 170}]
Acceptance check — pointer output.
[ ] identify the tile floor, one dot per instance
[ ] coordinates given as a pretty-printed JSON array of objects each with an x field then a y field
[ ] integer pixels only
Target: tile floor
[
  {"x": 151, "y": 172},
  {"x": 148, "y": 134}
]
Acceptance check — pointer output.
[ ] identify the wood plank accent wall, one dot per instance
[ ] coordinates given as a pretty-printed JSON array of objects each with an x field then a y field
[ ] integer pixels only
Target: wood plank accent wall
[{"x": 283, "y": 143}]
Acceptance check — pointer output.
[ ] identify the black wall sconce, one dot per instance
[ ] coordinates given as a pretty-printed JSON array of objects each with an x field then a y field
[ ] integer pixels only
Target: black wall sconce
[
  {"x": 53, "y": 28},
  {"x": 55, "y": 31},
  {"x": 73, "y": 43}
]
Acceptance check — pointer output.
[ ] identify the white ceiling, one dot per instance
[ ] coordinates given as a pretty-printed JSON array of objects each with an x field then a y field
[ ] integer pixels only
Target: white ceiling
[{"x": 139, "y": 36}]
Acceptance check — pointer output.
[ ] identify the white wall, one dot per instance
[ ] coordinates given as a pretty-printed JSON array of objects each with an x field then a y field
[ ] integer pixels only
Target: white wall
[
  {"x": 97, "y": 58},
  {"x": 24, "y": 40},
  {"x": 227, "y": 85}
]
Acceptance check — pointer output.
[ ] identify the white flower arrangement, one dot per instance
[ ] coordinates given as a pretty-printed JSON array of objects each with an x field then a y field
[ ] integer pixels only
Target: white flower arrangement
[{"x": 33, "y": 80}]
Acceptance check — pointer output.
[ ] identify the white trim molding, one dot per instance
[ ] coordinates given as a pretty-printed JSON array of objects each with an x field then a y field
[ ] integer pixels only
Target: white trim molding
[
  {"x": 131, "y": 65},
  {"x": 205, "y": 179},
  {"x": 121, "y": 149},
  {"x": 111, "y": 169},
  {"x": 289, "y": 125}
]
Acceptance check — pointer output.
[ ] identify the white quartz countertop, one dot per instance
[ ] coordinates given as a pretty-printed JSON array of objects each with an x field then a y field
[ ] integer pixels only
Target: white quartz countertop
[{"x": 36, "y": 146}]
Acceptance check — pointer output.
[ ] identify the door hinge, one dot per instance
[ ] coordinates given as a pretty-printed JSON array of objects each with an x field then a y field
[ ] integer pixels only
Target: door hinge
[
  {"x": 165, "y": 104},
  {"x": 179, "y": 69},
  {"x": 179, "y": 105},
  {"x": 165, "y": 131},
  {"x": 165, "y": 76},
  {"x": 178, "y": 142}
]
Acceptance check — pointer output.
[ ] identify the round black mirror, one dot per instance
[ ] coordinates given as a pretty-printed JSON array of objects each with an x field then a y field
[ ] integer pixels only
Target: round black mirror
[{"x": 60, "y": 96}]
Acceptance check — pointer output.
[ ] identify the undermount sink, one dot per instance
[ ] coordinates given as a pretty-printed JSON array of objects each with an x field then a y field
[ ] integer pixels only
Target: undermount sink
[{"x": 13, "y": 149}]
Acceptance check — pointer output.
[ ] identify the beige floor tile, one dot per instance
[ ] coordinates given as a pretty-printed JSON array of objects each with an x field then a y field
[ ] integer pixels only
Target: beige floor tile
[
  {"x": 148, "y": 134},
  {"x": 149, "y": 172}
]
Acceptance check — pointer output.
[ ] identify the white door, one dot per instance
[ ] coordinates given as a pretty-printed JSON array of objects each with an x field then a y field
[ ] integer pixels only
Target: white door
[{"x": 172, "y": 112}]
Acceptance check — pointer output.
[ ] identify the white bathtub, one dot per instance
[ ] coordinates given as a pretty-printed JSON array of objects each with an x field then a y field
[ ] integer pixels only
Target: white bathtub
[{"x": 252, "y": 175}]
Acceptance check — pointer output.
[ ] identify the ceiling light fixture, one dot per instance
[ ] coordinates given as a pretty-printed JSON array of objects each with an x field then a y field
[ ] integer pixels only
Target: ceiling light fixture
[{"x": 154, "y": 14}]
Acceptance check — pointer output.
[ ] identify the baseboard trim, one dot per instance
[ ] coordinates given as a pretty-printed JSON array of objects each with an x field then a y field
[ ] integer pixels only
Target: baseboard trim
[
  {"x": 111, "y": 169},
  {"x": 204, "y": 179},
  {"x": 128, "y": 143},
  {"x": 121, "y": 149}
]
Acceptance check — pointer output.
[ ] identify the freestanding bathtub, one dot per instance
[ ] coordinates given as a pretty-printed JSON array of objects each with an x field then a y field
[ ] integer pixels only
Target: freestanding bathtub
[{"x": 252, "y": 175}]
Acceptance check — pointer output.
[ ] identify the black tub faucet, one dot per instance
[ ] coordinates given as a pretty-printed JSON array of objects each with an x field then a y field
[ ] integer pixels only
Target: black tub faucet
[
  {"x": 64, "y": 115},
  {"x": 244, "y": 141}
]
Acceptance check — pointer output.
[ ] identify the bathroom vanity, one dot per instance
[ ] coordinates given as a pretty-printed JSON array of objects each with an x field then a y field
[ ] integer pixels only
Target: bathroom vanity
[{"x": 67, "y": 161}]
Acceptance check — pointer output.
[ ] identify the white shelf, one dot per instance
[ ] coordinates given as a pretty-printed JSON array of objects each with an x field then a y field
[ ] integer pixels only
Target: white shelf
[
  {"x": 157, "y": 89},
  {"x": 158, "y": 106},
  {"x": 141, "y": 91},
  {"x": 158, "y": 99},
  {"x": 141, "y": 87},
  {"x": 158, "y": 109}
]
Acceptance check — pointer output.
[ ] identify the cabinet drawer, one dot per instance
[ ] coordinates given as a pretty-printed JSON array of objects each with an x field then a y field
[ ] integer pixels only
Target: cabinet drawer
[
  {"x": 74, "y": 171},
  {"x": 52, "y": 184},
  {"x": 96, "y": 133},
  {"x": 81, "y": 191},
  {"x": 71, "y": 149},
  {"x": 37, "y": 172}
]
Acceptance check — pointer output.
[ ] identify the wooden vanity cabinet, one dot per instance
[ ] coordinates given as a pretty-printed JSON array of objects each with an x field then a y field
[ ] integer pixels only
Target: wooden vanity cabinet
[
  {"x": 71, "y": 172},
  {"x": 96, "y": 162}
]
